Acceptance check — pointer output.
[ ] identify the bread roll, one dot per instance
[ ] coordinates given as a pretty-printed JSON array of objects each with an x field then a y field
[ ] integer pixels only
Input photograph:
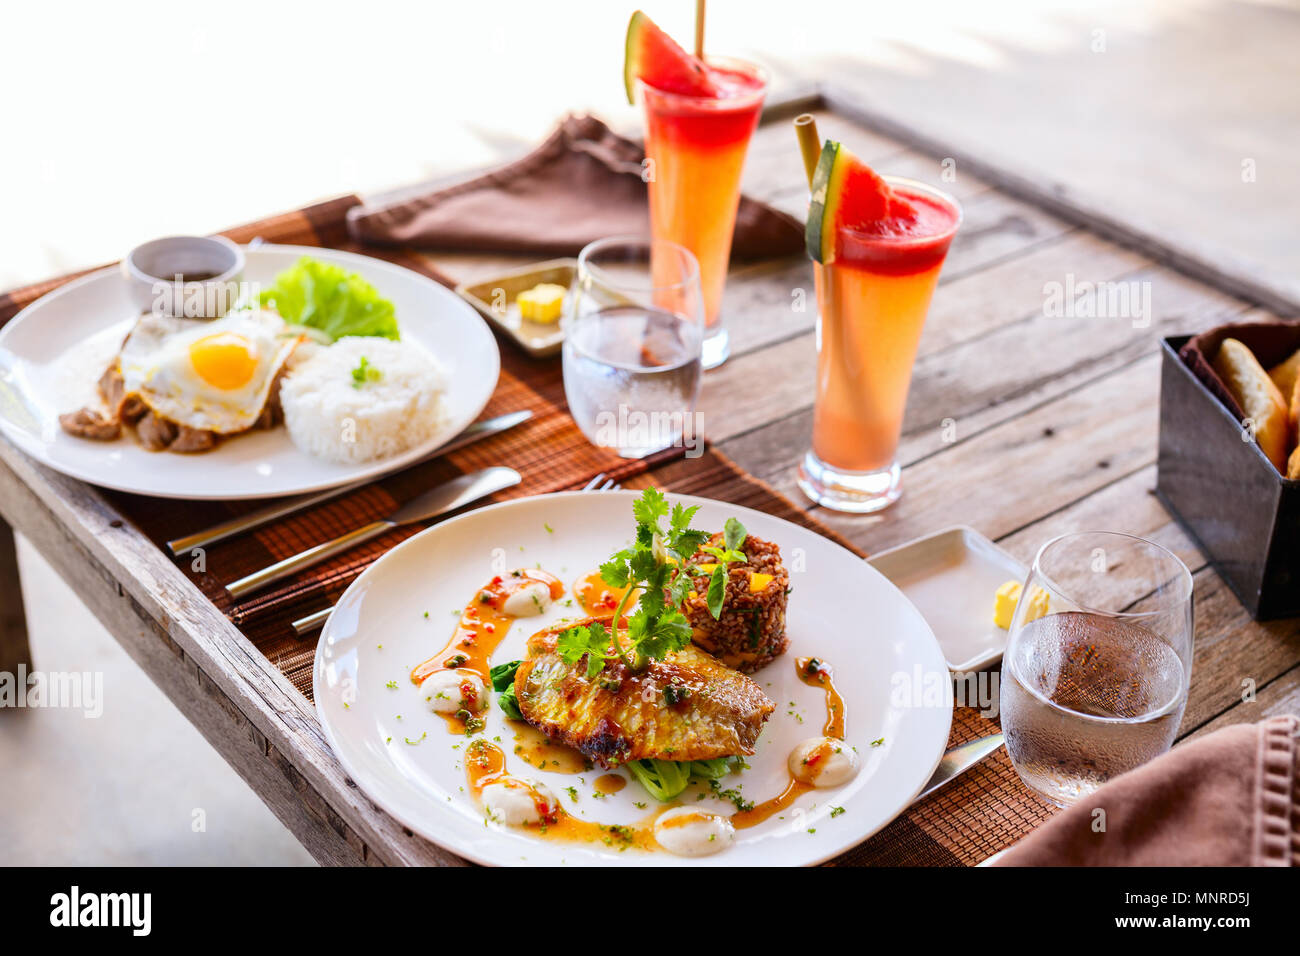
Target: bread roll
[
  {"x": 1284, "y": 374},
  {"x": 1259, "y": 398}
]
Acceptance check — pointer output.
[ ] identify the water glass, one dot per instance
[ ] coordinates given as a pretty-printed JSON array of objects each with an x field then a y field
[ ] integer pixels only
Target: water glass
[
  {"x": 1098, "y": 662},
  {"x": 632, "y": 345}
]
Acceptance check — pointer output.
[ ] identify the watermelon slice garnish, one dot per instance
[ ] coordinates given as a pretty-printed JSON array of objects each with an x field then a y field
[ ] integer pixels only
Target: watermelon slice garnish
[
  {"x": 653, "y": 56},
  {"x": 847, "y": 193}
]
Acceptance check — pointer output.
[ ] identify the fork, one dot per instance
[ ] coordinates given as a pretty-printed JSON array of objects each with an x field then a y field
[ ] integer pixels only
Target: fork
[{"x": 315, "y": 621}]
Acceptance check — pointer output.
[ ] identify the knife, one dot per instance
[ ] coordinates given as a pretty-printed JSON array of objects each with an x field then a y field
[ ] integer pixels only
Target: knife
[
  {"x": 282, "y": 509},
  {"x": 436, "y": 501},
  {"x": 959, "y": 759}
]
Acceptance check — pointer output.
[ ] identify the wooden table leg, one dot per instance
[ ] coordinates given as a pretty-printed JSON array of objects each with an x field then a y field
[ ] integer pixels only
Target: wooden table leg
[{"x": 14, "y": 649}]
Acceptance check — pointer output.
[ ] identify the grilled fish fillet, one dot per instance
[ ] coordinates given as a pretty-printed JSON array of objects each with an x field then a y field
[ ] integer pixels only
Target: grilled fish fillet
[{"x": 616, "y": 716}]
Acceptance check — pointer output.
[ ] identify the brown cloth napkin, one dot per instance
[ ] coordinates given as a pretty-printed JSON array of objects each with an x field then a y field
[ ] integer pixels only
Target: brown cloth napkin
[
  {"x": 582, "y": 184},
  {"x": 1231, "y": 798},
  {"x": 1272, "y": 342}
]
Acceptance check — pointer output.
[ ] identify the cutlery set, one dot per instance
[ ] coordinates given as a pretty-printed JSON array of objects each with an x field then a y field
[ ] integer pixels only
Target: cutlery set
[{"x": 438, "y": 501}]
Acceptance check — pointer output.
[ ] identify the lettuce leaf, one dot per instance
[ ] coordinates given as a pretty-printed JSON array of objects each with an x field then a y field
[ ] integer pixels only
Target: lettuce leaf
[{"x": 329, "y": 298}]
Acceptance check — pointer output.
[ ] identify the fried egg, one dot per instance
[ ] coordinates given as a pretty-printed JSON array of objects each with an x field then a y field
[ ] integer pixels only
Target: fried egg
[{"x": 211, "y": 375}]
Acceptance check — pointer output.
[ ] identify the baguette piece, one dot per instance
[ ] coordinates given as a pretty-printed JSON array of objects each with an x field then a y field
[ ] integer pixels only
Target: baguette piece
[
  {"x": 1293, "y": 466},
  {"x": 1259, "y": 397},
  {"x": 1284, "y": 374}
]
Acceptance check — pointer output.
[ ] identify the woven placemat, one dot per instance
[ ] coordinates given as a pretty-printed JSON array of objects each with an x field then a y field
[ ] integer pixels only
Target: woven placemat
[{"x": 981, "y": 813}]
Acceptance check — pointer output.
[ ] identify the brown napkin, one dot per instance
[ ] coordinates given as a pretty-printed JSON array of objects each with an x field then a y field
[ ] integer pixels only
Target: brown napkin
[
  {"x": 582, "y": 184},
  {"x": 1272, "y": 342},
  {"x": 1231, "y": 798}
]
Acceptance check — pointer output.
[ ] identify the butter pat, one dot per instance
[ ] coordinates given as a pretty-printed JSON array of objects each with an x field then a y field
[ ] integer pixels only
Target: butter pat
[
  {"x": 1038, "y": 602},
  {"x": 1004, "y": 603},
  {"x": 1008, "y": 596},
  {"x": 541, "y": 303}
]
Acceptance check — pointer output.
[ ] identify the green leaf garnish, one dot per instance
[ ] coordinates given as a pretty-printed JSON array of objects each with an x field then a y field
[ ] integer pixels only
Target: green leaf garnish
[
  {"x": 365, "y": 372},
  {"x": 733, "y": 534},
  {"x": 328, "y": 297},
  {"x": 503, "y": 675},
  {"x": 509, "y": 704}
]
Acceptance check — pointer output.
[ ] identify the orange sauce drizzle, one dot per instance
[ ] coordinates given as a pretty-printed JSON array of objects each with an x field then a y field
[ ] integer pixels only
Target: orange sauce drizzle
[
  {"x": 818, "y": 675},
  {"x": 597, "y": 598},
  {"x": 485, "y": 763},
  {"x": 609, "y": 783},
  {"x": 743, "y": 819},
  {"x": 537, "y": 750},
  {"x": 481, "y": 628},
  {"x": 682, "y": 819}
]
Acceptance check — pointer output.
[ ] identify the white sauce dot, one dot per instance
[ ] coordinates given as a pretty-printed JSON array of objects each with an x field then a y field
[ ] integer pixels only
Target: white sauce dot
[
  {"x": 823, "y": 762},
  {"x": 686, "y": 831},
  {"x": 445, "y": 691},
  {"x": 516, "y": 802},
  {"x": 528, "y": 600}
]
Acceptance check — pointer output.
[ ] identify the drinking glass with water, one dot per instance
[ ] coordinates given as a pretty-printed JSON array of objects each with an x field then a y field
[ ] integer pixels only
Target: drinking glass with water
[
  {"x": 1098, "y": 684},
  {"x": 632, "y": 345}
]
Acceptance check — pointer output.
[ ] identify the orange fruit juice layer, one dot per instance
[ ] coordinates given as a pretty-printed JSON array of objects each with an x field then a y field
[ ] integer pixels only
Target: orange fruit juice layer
[
  {"x": 696, "y": 146},
  {"x": 872, "y": 302}
]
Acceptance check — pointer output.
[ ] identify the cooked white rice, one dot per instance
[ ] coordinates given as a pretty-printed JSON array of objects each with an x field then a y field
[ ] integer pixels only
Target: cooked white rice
[{"x": 335, "y": 411}]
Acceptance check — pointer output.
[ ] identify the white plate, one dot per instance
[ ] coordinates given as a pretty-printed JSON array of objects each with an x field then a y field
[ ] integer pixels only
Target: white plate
[
  {"x": 952, "y": 577},
  {"x": 841, "y": 610},
  {"x": 53, "y": 351}
]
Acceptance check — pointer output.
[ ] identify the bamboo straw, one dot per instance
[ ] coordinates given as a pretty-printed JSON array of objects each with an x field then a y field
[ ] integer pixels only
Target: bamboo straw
[
  {"x": 805, "y": 127},
  {"x": 699, "y": 28}
]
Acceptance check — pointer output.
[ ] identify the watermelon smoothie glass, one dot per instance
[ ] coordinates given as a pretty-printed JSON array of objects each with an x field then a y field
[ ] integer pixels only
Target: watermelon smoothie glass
[
  {"x": 872, "y": 300},
  {"x": 695, "y": 148}
]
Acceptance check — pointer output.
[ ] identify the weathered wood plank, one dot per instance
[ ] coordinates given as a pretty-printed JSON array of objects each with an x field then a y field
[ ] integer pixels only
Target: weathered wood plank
[
  {"x": 1232, "y": 651},
  {"x": 1021, "y": 364},
  {"x": 754, "y": 389},
  {"x": 1208, "y": 263},
  {"x": 770, "y": 301},
  {"x": 1012, "y": 474},
  {"x": 14, "y": 648},
  {"x": 1128, "y": 505},
  {"x": 1279, "y": 696},
  {"x": 774, "y": 165}
]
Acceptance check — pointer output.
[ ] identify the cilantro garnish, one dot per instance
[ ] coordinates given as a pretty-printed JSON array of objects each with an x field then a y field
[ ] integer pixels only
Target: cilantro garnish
[{"x": 649, "y": 569}]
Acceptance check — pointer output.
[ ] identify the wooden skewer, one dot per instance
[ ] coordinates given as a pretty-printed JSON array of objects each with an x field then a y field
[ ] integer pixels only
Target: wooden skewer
[{"x": 699, "y": 28}]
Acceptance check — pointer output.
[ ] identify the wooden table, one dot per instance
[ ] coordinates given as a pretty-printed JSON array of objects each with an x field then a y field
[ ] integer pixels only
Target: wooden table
[{"x": 1020, "y": 423}]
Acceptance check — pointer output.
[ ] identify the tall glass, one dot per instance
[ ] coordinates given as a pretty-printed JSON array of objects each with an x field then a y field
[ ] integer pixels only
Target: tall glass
[
  {"x": 1097, "y": 684},
  {"x": 632, "y": 345},
  {"x": 871, "y": 306},
  {"x": 695, "y": 147}
]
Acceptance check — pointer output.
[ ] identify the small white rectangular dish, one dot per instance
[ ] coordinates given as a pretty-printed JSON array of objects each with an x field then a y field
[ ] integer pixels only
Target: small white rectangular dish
[
  {"x": 497, "y": 300},
  {"x": 952, "y": 576}
]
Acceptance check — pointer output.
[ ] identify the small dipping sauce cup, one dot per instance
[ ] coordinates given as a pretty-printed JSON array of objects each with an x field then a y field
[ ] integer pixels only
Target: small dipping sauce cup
[{"x": 193, "y": 277}]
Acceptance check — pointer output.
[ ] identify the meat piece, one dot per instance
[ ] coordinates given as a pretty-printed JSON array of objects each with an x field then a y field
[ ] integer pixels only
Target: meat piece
[
  {"x": 132, "y": 410},
  {"x": 155, "y": 433},
  {"x": 113, "y": 389},
  {"x": 711, "y": 710},
  {"x": 88, "y": 423},
  {"x": 191, "y": 440}
]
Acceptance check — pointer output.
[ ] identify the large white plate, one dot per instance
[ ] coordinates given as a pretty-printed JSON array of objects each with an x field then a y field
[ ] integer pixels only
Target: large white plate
[
  {"x": 50, "y": 355},
  {"x": 400, "y": 612}
]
